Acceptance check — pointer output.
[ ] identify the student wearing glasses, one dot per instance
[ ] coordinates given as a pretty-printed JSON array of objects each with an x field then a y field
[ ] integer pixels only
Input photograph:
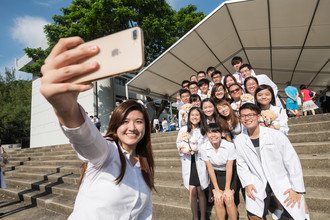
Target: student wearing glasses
[
  {"x": 246, "y": 71},
  {"x": 219, "y": 92},
  {"x": 193, "y": 87},
  {"x": 267, "y": 163},
  {"x": 235, "y": 91}
]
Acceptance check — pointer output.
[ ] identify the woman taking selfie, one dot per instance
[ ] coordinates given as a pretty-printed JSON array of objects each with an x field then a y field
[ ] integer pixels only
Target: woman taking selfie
[{"x": 120, "y": 171}]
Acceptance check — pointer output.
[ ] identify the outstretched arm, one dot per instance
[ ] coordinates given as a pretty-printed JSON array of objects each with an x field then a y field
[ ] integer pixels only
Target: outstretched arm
[{"x": 63, "y": 64}]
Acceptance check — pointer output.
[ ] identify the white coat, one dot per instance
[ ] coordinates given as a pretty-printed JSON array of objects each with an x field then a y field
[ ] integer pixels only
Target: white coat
[
  {"x": 282, "y": 118},
  {"x": 200, "y": 164},
  {"x": 279, "y": 166}
]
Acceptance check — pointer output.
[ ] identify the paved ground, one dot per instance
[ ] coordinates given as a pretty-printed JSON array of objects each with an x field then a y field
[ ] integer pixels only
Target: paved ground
[{"x": 13, "y": 209}]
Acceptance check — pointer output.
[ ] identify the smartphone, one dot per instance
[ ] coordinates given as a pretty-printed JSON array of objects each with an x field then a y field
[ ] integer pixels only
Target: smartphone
[{"x": 120, "y": 53}]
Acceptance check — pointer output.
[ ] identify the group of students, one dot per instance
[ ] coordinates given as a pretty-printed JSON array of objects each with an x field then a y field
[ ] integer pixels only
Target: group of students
[
  {"x": 233, "y": 134},
  {"x": 119, "y": 176}
]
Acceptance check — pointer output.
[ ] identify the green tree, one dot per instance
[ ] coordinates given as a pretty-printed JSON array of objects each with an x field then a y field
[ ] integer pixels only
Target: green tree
[
  {"x": 91, "y": 19},
  {"x": 15, "y": 111}
]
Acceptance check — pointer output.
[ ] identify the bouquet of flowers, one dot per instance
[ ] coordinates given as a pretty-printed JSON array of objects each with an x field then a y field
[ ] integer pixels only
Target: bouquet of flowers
[
  {"x": 187, "y": 144},
  {"x": 268, "y": 118}
]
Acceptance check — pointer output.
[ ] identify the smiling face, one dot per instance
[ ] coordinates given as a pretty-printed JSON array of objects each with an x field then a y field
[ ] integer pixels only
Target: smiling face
[
  {"x": 223, "y": 110},
  {"x": 214, "y": 138},
  {"x": 264, "y": 97},
  {"x": 235, "y": 92},
  {"x": 196, "y": 103},
  {"x": 204, "y": 88},
  {"x": 237, "y": 66},
  {"x": 208, "y": 109},
  {"x": 229, "y": 81},
  {"x": 194, "y": 118},
  {"x": 185, "y": 97},
  {"x": 193, "y": 88},
  {"x": 132, "y": 130},
  {"x": 200, "y": 76},
  {"x": 193, "y": 78},
  {"x": 249, "y": 119},
  {"x": 251, "y": 86},
  {"x": 219, "y": 93},
  {"x": 216, "y": 78},
  {"x": 246, "y": 72}
]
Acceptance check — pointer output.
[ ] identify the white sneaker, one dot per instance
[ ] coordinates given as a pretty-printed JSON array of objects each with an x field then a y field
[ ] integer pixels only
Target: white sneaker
[{"x": 277, "y": 214}]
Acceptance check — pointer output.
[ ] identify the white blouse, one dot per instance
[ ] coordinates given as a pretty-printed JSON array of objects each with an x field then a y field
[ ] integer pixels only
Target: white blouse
[
  {"x": 218, "y": 158},
  {"x": 99, "y": 197}
]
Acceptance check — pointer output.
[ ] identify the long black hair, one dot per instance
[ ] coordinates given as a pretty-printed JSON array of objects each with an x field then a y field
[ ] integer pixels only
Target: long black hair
[{"x": 201, "y": 124}]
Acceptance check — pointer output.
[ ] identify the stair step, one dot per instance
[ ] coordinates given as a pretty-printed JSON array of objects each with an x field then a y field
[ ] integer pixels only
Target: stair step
[
  {"x": 58, "y": 203},
  {"x": 14, "y": 209},
  {"x": 312, "y": 147},
  {"x": 42, "y": 186},
  {"x": 318, "y": 199},
  {"x": 309, "y": 119},
  {"x": 45, "y": 153},
  {"x": 164, "y": 134},
  {"x": 68, "y": 162},
  {"x": 319, "y": 136},
  {"x": 163, "y": 146},
  {"x": 166, "y": 153},
  {"x": 317, "y": 126},
  {"x": 65, "y": 178}
]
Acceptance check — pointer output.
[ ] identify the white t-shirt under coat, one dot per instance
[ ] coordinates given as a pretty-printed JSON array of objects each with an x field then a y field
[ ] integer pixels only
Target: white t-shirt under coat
[{"x": 218, "y": 158}]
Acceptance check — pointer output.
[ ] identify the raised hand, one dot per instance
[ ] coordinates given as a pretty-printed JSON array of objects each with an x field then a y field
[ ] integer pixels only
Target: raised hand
[{"x": 63, "y": 64}]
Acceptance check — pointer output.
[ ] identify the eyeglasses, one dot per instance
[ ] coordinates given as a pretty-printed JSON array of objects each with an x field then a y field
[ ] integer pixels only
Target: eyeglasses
[
  {"x": 248, "y": 116},
  {"x": 193, "y": 87},
  {"x": 220, "y": 90},
  {"x": 234, "y": 91}
]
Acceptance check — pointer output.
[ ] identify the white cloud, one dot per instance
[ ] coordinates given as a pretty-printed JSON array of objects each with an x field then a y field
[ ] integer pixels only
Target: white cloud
[{"x": 28, "y": 31}]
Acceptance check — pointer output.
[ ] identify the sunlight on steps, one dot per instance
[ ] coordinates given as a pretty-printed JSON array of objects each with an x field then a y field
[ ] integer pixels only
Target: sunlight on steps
[{"x": 47, "y": 177}]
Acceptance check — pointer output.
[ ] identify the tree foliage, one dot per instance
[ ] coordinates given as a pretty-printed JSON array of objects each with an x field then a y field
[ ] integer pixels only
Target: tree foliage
[
  {"x": 91, "y": 19},
  {"x": 15, "y": 111}
]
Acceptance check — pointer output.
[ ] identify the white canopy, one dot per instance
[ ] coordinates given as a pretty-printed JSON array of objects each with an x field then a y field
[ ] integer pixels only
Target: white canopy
[{"x": 289, "y": 40}]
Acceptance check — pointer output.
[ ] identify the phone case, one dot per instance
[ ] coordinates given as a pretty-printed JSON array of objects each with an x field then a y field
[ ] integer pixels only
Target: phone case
[{"x": 120, "y": 53}]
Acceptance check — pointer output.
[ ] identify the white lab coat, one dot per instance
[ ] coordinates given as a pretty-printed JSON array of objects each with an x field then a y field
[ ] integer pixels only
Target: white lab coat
[
  {"x": 264, "y": 79},
  {"x": 200, "y": 164},
  {"x": 280, "y": 167},
  {"x": 282, "y": 118}
]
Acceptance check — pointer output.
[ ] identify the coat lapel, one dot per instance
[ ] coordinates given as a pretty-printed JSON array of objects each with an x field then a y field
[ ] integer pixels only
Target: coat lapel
[{"x": 248, "y": 143}]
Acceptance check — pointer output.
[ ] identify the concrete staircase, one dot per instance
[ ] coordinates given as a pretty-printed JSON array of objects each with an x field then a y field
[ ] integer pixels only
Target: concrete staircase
[{"x": 47, "y": 177}]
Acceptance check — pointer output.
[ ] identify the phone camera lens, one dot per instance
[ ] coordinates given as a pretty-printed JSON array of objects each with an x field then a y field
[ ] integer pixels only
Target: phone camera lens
[{"x": 134, "y": 34}]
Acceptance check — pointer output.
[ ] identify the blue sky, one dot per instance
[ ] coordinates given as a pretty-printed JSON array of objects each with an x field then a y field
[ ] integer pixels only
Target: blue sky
[{"x": 22, "y": 24}]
